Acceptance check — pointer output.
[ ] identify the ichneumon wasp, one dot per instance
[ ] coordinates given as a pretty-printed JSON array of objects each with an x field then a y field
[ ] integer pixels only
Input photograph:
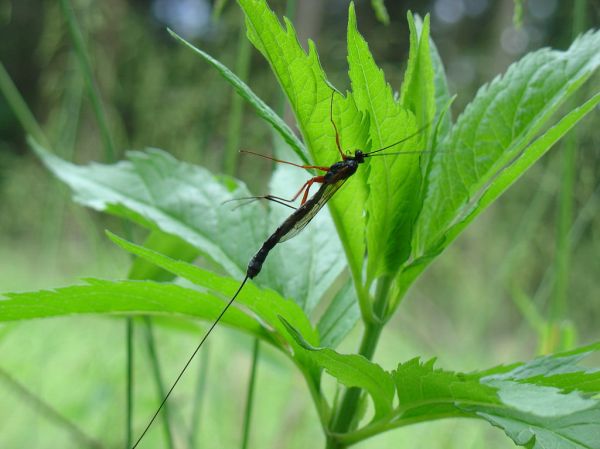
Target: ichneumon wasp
[{"x": 330, "y": 182}]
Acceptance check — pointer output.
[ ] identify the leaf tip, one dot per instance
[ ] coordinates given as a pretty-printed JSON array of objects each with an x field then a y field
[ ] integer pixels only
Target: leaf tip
[{"x": 352, "y": 15}]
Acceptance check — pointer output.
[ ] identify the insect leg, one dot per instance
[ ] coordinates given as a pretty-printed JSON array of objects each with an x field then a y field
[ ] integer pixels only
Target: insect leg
[
  {"x": 337, "y": 134},
  {"x": 306, "y": 187},
  {"x": 316, "y": 167}
]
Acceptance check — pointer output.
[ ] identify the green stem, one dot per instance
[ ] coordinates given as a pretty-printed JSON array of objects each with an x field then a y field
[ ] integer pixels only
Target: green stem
[
  {"x": 242, "y": 68},
  {"x": 158, "y": 379},
  {"x": 250, "y": 395},
  {"x": 86, "y": 67},
  {"x": 558, "y": 307},
  {"x": 20, "y": 109},
  {"x": 199, "y": 395},
  {"x": 129, "y": 382},
  {"x": 378, "y": 428},
  {"x": 345, "y": 413},
  {"x": 50, "y": 413}
]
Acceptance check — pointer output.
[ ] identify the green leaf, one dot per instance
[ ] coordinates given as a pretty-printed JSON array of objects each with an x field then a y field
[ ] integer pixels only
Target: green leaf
[
  {"x": 261, "y": 108},
  {"x": 543, "y": 404},
  {"x": 348, "y": 205},
  {"x": 352, "y": 370},
  {"x": 419, "y": 384},
  {"x": 166, "y": 244},
  {"x": 497, "y": 128},
  {"x": 418, "y": 89},
  {"x": 303, "y": 81},
  {"x": 299, "y": 74},
  {"x": 339, "y": 318},
  {"x": 157, "y": 191},
  {"x": 172, "y": 196},
  {"x": 380, "y": 11},
  {"x": 442, "y": 92},
  {"x": 267, "y": 304},
  {"x": 531, "y": 155},
  {"x": 578, "y": 430},
  {"x": 123, "y": 297},
  {"x": 558, "y": 370},
  {"x": 533, "y": 402},
  {"x": 393, "y": 182}
]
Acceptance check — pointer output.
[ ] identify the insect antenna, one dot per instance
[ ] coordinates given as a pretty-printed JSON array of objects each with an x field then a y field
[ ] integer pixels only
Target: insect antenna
[
  {"x": 410, "y": 136},
  {"x": 404, "y": 152},
  {"x": 187, "y": 364},
  {"x": 281, "y": 161}
]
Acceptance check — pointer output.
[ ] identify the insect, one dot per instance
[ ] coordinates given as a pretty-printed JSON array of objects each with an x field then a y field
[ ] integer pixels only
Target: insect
[{"x": 331, "y": 181}]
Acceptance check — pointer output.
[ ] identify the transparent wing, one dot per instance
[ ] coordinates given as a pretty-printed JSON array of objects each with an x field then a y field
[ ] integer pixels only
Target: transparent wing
[{"x": 309, "y": 209}]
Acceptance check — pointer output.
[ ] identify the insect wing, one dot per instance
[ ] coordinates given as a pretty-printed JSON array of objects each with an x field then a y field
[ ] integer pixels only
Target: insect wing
[{"x": 323, "y": 195}]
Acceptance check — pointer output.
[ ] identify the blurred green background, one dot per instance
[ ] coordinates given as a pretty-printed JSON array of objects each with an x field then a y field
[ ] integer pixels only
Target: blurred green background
[{"x": 523, "y": 280}]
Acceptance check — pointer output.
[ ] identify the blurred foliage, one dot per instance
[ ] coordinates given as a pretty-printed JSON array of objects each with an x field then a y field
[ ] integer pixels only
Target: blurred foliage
[{"x": 155, "y": 94}]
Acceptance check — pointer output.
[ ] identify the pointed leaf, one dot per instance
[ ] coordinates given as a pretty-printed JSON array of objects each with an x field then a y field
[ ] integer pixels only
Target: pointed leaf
[
  {"x": 498, "y": 126},
  {"x": 420, "y": 384},
  {"x": 352, "y": 370},
  {"x": 393, "y": 182},
  {"x": 303, "y": 80},
  {"x": 418, "y": 89},
  {"x": 267, "y": 304},
  {"x": 124, "y": 297},
  {"x": 159, "y": 192}
]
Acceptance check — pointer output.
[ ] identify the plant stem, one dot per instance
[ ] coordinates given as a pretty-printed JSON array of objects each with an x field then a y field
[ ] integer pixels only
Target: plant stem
[
  {"x": 20, "y": 108},
  {"x": 50, "y": 413},
  {"x": 86, "y": 68},
  {"x": 250, "y": 395},
  {"x": 242, "y": 68},
  {"x": 345, "y": 413},
  {"x": 129, "y": 382},
  {"x": 158, "y": 379},
  {"x": 558, "y": 307},
  {"x": 199, "y": 395}
]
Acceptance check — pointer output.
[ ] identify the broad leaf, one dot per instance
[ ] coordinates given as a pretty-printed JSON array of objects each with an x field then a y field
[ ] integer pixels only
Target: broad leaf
[
  {"x": 155, "y": 190},
  {"x": 393, "y": 182},
  {"x": 419, "y": 384},
  {"x": 299, "y": 74},
  {"x": 267, "y": 304},
  {"x": 303, "y": 81},
  {"x": 172, "y": 196},
  {"x": 543, "y": 404},
  {"x": 497, "y": 127},
  {"x": 579, "y": 430},
  {"x": 533, "y": 153},
  {"x": 340, "y": 317}
]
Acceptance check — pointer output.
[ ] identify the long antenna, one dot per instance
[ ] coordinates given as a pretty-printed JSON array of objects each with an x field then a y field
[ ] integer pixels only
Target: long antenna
[
  {"x": 185, "y": 367},
  {"x": 410, "y": 136},
  {"x": 406, "y": 152}
]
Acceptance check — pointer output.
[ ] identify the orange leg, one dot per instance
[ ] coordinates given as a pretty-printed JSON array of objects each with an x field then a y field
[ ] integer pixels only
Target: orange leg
[
  {"x": 337, "y": 134},
  {"x": 316, "y": 167},
  {"x": 306, "y": 187}
]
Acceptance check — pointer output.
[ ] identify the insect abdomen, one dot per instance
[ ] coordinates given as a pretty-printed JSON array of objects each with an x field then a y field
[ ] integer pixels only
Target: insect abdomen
[{"x": 258, "y": 259}]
